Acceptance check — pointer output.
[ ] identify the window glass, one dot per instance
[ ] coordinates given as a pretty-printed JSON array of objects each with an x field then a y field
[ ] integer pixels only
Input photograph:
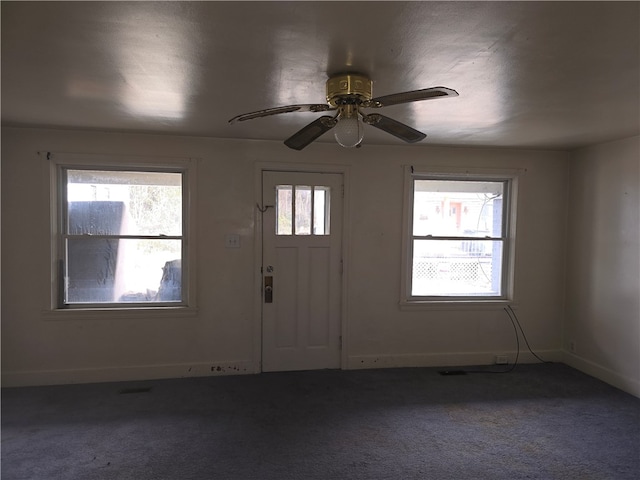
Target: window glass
[
  {"x": 284, "y": 209},
  {"x": 456, "y": 268},
  {"x": 458, "y": 241},
  {"x": 108, "y": 270},
  {"x": 457, "y": 208},
  {"x": 321, "y": 210},
  {"x": 150, "y": 203},
  {"x": 302, "y": 210},
  {"x": 122, "y": 239}
]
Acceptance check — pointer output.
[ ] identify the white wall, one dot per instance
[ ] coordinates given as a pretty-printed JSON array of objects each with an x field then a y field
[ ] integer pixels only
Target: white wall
[
  {"x": 603, "y": 282},
  {"x": 221, "y": 338}
]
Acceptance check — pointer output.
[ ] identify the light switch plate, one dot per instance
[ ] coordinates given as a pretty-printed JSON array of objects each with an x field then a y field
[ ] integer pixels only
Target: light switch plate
[{"x": 232, "y": 240}]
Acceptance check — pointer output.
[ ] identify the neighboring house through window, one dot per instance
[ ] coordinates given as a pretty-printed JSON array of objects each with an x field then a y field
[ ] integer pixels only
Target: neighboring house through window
[{"x": 460, "y": 238}]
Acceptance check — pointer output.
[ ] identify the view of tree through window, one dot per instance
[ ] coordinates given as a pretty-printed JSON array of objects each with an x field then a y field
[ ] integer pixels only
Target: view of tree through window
[{"x": 153, "y": 209}]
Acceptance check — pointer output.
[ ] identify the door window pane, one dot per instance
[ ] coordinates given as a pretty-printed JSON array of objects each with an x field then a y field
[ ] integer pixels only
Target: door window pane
[
  {"x": 321, "y": 220},
  {"x": 303, "y": 210},
  {"x": 284, "y": 209}
]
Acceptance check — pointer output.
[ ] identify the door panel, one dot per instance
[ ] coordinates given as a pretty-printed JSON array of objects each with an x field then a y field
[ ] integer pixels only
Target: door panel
[
  {"x": 286, "y": 293},
  {"x": 302, "y": 253},
  {"x": 319, "y": 297}
]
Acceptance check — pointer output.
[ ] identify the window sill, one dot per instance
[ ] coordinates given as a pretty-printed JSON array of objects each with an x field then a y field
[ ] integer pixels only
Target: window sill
[
  {"x": 407, "y": 305},
  {"x": 116, "y": 313}
]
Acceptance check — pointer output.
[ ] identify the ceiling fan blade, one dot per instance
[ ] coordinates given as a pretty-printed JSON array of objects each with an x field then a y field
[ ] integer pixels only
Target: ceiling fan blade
[
  {"x": 412, "y": 96},
  {"x": 309, "y": 133},
  {"x": 395, "y": 128},
  {"x": 314, "y": 107}
]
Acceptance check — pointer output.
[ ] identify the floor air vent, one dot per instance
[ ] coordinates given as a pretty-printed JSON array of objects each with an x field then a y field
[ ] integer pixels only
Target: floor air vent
[{"x": 135, "y": 390}]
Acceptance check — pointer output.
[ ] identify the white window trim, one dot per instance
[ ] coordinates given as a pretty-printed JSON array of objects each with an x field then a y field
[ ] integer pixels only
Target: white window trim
[
  {"x": 508, "y": 297},
  {"x": 188, "y": 166}
]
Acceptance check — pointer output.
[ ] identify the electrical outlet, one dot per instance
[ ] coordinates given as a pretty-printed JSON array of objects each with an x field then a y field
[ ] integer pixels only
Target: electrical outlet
[
  {"x": 502, "y": 359},
  {"x": 572, "y": 346}
]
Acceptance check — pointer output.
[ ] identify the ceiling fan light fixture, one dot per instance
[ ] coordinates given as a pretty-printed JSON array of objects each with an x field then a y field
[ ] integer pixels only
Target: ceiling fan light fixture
[
  {"x": 349, "y": 130},
  {"x": 348, "y": 93}
]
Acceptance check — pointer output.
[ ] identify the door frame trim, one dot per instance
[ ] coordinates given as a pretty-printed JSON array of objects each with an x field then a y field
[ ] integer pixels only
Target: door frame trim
[{"x": 259, "y": 168}]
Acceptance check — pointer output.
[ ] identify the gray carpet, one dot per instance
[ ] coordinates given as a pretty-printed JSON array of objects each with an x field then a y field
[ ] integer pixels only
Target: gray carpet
[{"x": 537, "y": 422}]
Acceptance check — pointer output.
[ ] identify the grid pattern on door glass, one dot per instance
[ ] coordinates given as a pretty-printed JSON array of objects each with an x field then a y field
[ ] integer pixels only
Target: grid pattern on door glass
[{"x": 302, "y": 210}]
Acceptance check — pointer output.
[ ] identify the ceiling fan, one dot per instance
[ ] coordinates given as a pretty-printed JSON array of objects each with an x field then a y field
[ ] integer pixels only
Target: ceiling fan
[{"x": 349, "y": 93}]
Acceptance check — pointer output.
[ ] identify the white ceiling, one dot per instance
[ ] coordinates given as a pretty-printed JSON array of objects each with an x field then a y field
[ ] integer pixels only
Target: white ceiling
[{"x": 529, "y": 74}]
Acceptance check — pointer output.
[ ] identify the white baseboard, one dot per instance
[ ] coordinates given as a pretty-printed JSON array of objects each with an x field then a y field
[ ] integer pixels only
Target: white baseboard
[
  {"x": 152, "y": 372},
  {"x": 615, "y": 379},
  {"x": 445, "y": 359},
  {"x": 124, "y": 374}
]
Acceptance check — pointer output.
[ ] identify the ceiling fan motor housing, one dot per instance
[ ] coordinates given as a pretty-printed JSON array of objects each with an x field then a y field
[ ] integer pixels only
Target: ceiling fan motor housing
[{"x": 348, "y": 86}]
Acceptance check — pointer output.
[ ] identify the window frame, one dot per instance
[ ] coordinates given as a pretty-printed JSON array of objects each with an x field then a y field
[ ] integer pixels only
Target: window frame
[
  {"x": 59, "y": 165},
  {"x": 509, "y": 177}
]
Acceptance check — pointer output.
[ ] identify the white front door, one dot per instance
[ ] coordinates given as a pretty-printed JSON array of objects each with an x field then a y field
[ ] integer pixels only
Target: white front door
[{"x": 302, "y": 255}]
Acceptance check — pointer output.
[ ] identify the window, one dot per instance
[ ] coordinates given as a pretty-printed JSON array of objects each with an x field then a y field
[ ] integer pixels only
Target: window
[
  {"x": 121, "y": 237},
  {"x": 302, "y": 210},
  {"x": 460, "y": 237}
]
